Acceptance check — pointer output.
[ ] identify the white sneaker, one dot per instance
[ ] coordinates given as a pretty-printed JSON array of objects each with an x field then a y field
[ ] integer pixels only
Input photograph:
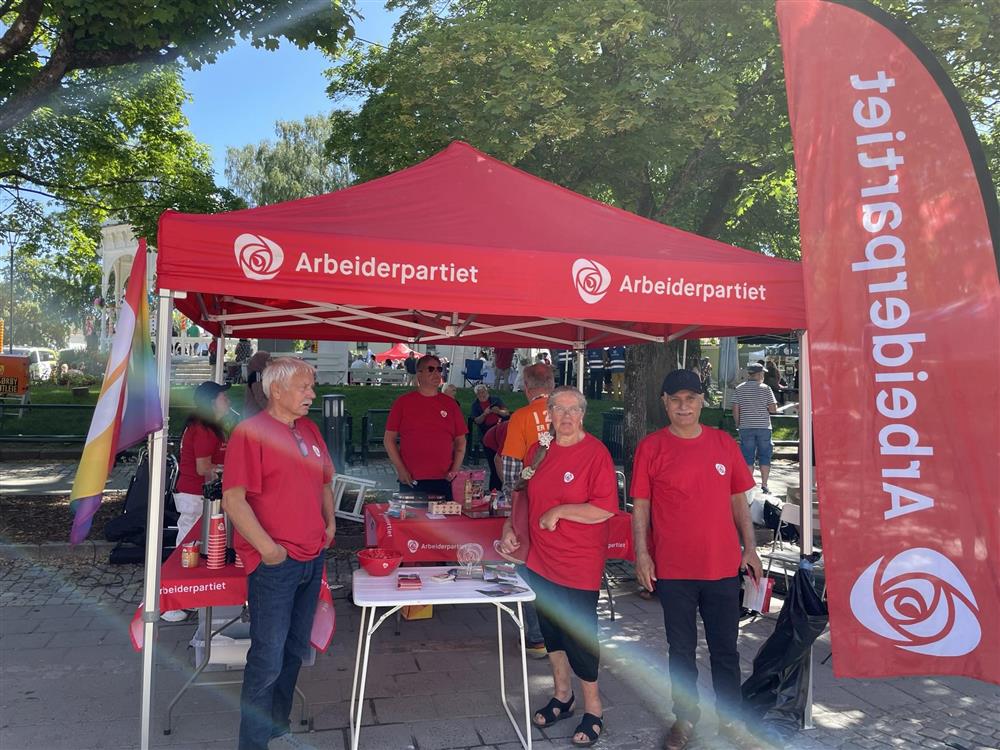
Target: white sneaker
[{"x": 174, "y": 615}]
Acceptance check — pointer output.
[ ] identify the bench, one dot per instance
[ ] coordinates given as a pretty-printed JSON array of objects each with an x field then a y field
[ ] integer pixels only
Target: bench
[
  {"x": 376, "y": 376},
  {"x": 372, "y": 432}
]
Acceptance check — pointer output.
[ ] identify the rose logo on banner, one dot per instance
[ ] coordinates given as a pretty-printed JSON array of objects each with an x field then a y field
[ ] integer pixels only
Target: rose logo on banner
[
  {"x": 591, "y": 279},
  {"x": 259, "y": 258},
  {"x": 920, "y": 600},
  {"x": 413, "y": 545}
]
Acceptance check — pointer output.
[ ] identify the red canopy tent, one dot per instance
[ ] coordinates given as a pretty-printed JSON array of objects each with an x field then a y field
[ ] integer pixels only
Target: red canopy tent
[
  {"x": 462, "y": 248},
  {"x": 397, "y": 351}
]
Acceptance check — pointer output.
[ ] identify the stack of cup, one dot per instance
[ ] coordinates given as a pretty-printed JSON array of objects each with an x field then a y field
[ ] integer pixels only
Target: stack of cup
[
  {"x": 216, "y": 552},
  {"x": 239, "y": 562}
]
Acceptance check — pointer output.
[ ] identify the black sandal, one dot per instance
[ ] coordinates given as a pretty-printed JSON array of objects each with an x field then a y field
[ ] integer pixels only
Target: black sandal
[
  {"x": 549, "y": 712},
  {"x": 592, "y": 726}
]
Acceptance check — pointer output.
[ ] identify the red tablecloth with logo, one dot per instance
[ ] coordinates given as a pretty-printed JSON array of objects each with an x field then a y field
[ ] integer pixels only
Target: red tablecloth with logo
[
  {"x": 420, "y": 539},
  {"x": 196, "y": 588}
]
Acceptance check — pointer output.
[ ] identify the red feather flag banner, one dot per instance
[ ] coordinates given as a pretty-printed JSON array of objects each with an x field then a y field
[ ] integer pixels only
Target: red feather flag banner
[{"x": 899, "y": 230}]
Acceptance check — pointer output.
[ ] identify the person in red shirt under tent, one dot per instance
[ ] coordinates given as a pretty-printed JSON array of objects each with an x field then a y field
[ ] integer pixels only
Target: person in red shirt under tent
[
  {"x": 689, "y": 482},
  {"x": 431, "y": 431},
  {"x": 572, "y": 492},
  {"x": 277, "y": 492}
]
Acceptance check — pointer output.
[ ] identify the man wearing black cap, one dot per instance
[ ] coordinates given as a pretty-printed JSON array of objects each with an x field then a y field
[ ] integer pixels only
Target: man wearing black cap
[
  {"x": 691, "y": 480},
  {"x": 752, "y": 410}
]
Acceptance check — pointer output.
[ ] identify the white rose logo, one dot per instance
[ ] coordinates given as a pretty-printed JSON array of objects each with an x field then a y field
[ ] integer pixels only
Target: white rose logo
[
  {"x": 920, "y": 600},
  {"x": 413, "y": 545},
  {"x": 259, "y": 257},
  {"x": 591, "y": 279}
]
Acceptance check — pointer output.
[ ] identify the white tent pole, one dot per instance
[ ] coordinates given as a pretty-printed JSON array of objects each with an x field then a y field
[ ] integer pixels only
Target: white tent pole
[
  {"x": 220, "y": 357},
  {"x": 154, "y": 525},
  {"x": 579, "y": 345},
  {"x": 806, "y": 483},
  {"x": 684, "y": 355}
]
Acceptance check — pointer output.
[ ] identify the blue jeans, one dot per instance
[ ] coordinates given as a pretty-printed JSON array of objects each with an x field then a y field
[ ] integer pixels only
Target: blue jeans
[
  {"x": 756, "y": 442},
  {"x": 282, "y": 601}
]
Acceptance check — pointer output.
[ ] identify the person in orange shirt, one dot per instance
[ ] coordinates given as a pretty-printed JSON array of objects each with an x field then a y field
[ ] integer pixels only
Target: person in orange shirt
[
  {"x": 527, "y": 422},
  {"x": 524, "y": 427}
]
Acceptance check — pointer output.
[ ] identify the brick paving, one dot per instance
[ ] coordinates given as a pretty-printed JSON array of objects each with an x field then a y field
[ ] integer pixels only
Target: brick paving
[{"x": 69, "y": 679}]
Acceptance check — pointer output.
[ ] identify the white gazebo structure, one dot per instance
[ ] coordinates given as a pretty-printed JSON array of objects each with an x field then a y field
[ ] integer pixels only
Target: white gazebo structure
[{"x": 117, "y": 251}]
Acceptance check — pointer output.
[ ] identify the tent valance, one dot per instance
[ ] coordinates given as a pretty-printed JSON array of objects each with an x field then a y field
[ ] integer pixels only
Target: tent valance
[{"x": 462, "y": 248}]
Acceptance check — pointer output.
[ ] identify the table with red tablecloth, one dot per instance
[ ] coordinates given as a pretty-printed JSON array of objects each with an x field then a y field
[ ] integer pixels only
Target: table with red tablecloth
[
  {"x": 420, "y": 539},
  {"x": 203, "y": 588}
]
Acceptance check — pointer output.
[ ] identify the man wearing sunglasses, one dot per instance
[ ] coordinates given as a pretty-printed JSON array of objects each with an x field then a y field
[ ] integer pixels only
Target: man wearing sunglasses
[
  {"x": 431, "y": 432},
  {"x": 277, "y": 492}
]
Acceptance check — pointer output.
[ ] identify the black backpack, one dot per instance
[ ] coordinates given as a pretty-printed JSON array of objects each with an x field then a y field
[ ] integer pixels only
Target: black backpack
[{"x": 129, "y": 529}]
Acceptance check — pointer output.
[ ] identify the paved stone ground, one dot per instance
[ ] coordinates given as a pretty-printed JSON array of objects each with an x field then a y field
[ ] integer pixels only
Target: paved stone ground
[{"x": 69, "y": 679}]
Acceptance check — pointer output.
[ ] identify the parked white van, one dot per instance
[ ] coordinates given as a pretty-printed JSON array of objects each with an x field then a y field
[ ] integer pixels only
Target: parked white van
[{"x": 41, "y": 361}]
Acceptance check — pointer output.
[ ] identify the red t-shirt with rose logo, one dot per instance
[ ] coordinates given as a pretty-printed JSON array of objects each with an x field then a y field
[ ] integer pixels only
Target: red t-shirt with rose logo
[
  {"x": 573, "y": 555},
  {"x": 690, "y": 484},
  {"x": 427, "y": 427}
]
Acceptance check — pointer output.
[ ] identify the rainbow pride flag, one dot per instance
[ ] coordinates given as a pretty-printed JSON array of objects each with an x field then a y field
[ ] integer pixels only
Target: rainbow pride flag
[{"x": 128, "y": 408}]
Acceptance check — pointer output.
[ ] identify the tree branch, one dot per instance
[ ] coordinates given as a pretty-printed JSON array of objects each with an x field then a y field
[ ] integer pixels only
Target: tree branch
[
  {"x": 65, "y": 59},
  {"x": 16, "y": 174},
  {"x": 77, "y": 202},
  {"x": 18, "y": 36}
]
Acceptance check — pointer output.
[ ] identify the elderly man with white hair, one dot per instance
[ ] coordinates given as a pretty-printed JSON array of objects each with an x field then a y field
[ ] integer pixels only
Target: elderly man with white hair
[{"x": 277, "y": 492}]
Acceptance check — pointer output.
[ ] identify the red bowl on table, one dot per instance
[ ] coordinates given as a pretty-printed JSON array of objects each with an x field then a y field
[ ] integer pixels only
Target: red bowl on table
[{"x": 376, "y": 561}]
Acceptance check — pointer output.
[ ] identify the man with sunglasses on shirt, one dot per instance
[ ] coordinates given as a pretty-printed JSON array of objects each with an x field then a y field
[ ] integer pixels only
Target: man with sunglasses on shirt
[
  {"x": 277, "y": 492},
  {"x": 431, "y": 432}
]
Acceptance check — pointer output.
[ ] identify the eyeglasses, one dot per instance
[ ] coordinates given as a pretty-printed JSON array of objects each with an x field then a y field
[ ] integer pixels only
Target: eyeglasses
[
  {"x": 574, "y": 410},
  {"x": 303, "y": 448},
  {"x": 432, "y": 369}
]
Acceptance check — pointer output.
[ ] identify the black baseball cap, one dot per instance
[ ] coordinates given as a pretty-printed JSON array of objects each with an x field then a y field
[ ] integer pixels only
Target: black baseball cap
[
  {"x": 681, "y": 380},
  {"x": 207, "y": 392}
]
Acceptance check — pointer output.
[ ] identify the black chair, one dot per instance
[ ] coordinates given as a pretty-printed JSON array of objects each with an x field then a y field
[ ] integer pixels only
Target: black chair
[{"x": 372, "y": 432}]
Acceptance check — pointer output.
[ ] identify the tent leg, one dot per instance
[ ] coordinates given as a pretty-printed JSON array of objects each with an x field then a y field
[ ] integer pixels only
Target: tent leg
[
  {"x": 220, "y": 358},
  {"x": 806, "y": 483},
  {"x": 154, "y": 524},
  {"x": 579, "y": 369},
  {"x": 684, "y": 355}
]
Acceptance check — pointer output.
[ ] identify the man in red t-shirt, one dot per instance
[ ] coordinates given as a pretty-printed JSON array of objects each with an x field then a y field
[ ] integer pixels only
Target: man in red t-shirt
[
  {"x": 691, "y": 481},
  {"x": 431, "y": 432},
  {"x": 277, "y": 492}
]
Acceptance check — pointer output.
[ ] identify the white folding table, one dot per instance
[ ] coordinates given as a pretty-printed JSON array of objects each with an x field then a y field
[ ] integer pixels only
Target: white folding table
[{"x": 374, "y": 592}]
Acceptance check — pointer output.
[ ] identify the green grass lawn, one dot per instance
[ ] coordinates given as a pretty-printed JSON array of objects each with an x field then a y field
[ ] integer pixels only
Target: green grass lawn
[{"x": 74, "y": 420}]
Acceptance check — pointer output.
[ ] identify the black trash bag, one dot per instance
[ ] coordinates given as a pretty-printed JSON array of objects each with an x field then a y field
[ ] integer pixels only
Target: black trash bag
[{"x": 774, "y": 695}]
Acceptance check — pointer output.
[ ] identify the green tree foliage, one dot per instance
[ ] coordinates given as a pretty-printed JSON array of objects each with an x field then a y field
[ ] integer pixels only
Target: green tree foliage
[
  {"x": 293, "y": 166},
  {"x": 48, "y": 43},
  {"x": 90, "y": 114},
  {"x": 53, "y": 291},
  {"x": 672, "y": 109},
  {"x": 126, "y": 155}
]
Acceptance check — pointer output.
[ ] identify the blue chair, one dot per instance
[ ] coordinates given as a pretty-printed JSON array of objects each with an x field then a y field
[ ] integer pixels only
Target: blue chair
[{"x": 473, "y": 372}]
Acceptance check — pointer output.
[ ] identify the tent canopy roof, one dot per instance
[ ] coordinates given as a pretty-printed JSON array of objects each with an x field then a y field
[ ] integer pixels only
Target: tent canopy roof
[{"x": 462, "y": 248}]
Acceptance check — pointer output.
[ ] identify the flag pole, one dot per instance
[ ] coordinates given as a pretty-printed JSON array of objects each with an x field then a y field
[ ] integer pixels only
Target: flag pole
[{"x": 157, "y": 443}]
